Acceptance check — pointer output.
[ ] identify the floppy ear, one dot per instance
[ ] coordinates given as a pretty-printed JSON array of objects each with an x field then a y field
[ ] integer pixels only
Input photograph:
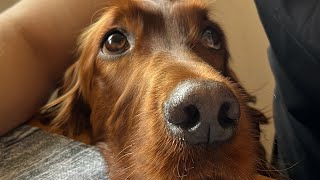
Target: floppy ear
[{"x": 69, "y": 111}]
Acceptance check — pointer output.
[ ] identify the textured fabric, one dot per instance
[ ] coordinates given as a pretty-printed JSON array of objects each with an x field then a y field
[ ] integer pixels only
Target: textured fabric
[
  {"x": 30, "y": 153},
  {"x": 293, "y": 29}
]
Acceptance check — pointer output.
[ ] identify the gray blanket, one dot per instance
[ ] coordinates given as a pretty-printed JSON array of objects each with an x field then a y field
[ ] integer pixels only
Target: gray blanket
[{"x": 30, "y": 153}]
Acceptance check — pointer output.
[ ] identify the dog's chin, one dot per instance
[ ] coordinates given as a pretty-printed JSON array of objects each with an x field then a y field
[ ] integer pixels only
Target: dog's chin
[
  {"x": 175, "y": 159},
  {"x": 204, "y": 162},
  {"x": 201, "y": 161},
  {"x": 152, "y": 151}
]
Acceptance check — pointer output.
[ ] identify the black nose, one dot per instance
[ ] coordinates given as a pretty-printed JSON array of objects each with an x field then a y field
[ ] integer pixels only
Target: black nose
[{"x": 203, "y": 112}]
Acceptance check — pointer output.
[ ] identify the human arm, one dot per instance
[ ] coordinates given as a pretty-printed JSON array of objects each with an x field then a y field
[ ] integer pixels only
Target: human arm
[{"x": 37, "y": 41}]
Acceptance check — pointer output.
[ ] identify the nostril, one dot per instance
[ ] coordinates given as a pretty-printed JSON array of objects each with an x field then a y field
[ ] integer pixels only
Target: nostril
[
  {"x": 202, "y": 112},
  {"x": 192, "y": 116},
  {"x": 228, "y": 115}
]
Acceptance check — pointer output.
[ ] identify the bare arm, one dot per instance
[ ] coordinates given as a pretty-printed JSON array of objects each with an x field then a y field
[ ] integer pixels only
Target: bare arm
[{"x": 37, "y": 40}]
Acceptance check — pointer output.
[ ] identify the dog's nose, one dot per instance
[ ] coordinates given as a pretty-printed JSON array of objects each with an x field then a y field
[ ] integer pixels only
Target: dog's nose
[{"x": 205, "y": 112}]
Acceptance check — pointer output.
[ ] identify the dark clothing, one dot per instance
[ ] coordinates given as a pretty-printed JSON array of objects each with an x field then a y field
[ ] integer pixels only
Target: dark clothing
[{"x": 293, "y": 29}]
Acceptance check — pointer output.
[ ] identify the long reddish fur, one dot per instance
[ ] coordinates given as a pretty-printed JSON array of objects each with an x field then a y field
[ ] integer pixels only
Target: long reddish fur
[{"x": 120, "y": 105}]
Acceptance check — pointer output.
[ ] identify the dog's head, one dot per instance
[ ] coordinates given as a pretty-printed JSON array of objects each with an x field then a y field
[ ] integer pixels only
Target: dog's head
[{"x": 154, "y": 84}]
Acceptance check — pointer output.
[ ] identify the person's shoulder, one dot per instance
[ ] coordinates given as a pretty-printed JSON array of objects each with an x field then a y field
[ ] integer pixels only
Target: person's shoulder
[{"x": 298, "y": 19}]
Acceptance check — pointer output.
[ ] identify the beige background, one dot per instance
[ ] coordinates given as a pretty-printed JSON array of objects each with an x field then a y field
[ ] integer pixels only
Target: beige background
[{"x": 248, "y": 45}]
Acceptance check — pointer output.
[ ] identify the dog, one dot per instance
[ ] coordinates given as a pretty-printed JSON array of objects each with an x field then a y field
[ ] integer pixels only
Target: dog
[{"x": 153, "y": 89}]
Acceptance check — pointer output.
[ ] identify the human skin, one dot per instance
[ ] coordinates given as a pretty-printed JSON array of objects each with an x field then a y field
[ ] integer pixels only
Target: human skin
[{"x": 38, "y": 39}]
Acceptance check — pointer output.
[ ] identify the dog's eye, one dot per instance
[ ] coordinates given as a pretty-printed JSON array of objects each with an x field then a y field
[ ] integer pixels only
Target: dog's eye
[
  {"x": 211, "y": 38},
  {"x": 115, "y": 43}
]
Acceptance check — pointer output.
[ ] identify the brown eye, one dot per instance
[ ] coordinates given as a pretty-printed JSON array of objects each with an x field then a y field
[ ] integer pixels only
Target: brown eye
[
  {"x": 115, "y": 43},
  {"x": 212, "y": 39}
]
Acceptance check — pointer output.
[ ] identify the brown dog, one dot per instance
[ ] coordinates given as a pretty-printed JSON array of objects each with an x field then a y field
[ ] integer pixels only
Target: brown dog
[{"x": 153, "y": 88}]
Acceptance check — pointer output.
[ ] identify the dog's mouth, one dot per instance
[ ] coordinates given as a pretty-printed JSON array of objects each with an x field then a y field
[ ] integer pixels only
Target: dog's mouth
[{"x": 201, "y": 112}]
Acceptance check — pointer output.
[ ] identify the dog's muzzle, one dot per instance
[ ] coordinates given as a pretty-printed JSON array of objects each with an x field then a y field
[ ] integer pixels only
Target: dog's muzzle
[{"x": 202, "y": 112}]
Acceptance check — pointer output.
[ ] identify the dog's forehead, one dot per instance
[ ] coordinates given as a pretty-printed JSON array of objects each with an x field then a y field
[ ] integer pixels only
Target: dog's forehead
[
  {"x": 162, "y": 25},
  {"x": 158, "y": 3},
  {"x": 177, "y": 21},
  {"x": 154, "y": 13},
  {"x": 168, "y": 7}
]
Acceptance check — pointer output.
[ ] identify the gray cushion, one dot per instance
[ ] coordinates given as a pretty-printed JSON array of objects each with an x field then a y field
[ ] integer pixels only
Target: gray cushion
[{"x": 31, "y": 153}]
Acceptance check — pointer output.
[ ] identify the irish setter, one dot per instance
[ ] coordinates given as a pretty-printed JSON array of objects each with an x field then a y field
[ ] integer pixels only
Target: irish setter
[{"x": 153, "y": 88}]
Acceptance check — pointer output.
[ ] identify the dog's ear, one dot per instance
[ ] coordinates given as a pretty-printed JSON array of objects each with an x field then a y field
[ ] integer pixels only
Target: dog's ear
[{"x": 68, "y": 112}]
